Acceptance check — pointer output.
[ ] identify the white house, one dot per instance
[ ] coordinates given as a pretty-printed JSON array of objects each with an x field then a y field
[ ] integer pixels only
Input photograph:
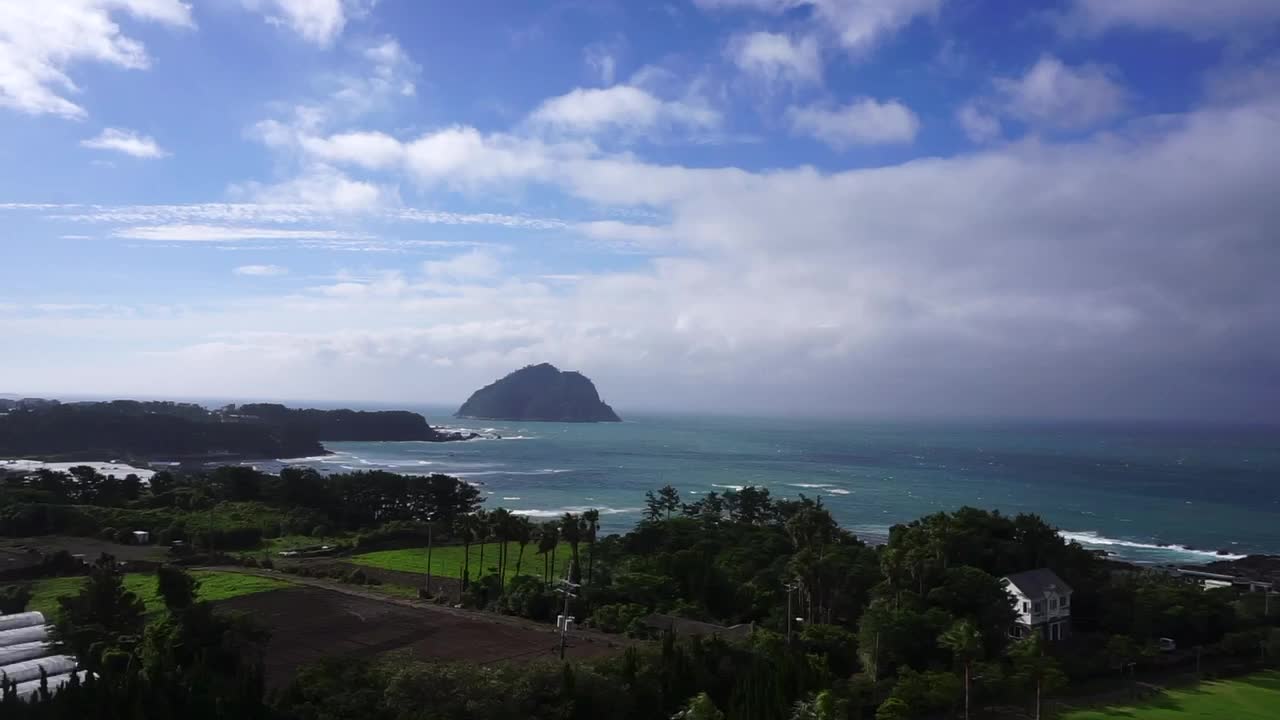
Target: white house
[{"x": 1043, "y": 603}]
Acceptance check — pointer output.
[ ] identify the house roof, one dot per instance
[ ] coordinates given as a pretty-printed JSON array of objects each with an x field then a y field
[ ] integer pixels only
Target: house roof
[{"x": 1035, "y": 583}]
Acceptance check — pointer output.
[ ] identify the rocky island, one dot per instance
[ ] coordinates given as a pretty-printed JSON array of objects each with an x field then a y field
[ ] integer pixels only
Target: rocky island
[{"x": 539, "y": 392}]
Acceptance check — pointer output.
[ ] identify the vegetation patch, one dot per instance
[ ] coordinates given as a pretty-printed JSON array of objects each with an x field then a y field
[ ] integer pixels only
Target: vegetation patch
[
  {"x": 213, "y": 586},
  {"x": 448, "y": 561},
  {"x": 1253, "y": 697}
]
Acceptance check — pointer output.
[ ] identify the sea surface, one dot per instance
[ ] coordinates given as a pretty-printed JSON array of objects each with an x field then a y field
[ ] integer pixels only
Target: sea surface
[{"x": 1149, "y": 494}]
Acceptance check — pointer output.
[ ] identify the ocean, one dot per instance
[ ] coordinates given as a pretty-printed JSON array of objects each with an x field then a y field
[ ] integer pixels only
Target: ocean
[{"x": 1148, "y": 494}]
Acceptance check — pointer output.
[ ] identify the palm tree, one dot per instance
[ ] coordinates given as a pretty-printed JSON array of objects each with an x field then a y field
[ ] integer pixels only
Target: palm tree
[
  {"x": 1034, "y": 667},
  {"x": 592, "y": 519},
  {"x": 571, "y": 531},
  {"x": 500, "y": 521},
  {"x": 465, "y": 529},
  {"x": 522, "y": 533},
  {"x": 483, "y": 529},
  {"x": 965, "y": 643},
  {"x": 548, "y": 541}
]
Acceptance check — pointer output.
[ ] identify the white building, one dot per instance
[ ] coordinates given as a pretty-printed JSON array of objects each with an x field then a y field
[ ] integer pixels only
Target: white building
[{"x": 1043, "y": 603}]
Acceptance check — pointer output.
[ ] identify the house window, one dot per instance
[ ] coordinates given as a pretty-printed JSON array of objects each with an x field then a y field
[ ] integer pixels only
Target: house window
[
  {"x": 1026, "y": 606},
  {"x": 1038, "y": 607},
  {"x": 1065, "y": 598},
  {"x": 1053, "y": 603}
]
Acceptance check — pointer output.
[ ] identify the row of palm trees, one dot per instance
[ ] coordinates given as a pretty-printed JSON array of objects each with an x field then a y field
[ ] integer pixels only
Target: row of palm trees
[{"x": 504, "y": 527}]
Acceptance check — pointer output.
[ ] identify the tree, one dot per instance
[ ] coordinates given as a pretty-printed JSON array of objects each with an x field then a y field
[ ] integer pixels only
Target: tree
[
  {"x": 102, "y": 614},
  {"x": 522, "y": 532},
  {"x": 484, "y": 528},
  {"x": 571, "y": 531},
  {"x": 700, "y": 707},
  {"x": 465, "y": 530},
  {"x": 548, "y": 541},
  {"x": 14, "y": 599},
  {"x": 1035, "y": 668},
  {"x": 500, "y": 521},
  {"x": 176, "y": 586},
  {"x": 669, "y": 498},
  {"x": 592, "y": 519},
  {"x": 893, "y": 709},
  {"x": 824, "y": 706},
  {"x": 965, "y": 644}
]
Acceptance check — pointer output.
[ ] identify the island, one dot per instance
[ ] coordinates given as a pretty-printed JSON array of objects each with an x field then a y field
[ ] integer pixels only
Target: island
[
  {"x": 539, "y": 392},
  {"x": 185, "y": 432}
]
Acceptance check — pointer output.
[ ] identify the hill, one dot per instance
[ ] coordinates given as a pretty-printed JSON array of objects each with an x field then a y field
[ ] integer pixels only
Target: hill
[
  {"x": 539, "y": 392},
  {"x": 143, "y": 431}
]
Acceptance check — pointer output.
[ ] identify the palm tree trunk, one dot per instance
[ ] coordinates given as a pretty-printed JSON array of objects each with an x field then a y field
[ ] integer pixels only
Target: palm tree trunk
[
  {"x": 591, "y": 561},
  {"x": 466, "y": 564},
  {"x": 482, "y": 558},
  {"x": 428, "y": 559},
  {"x": 553, "y": 562},
  {"x": 519, "y": 558},
  {"x": 1037, "y": 700},
  {"x": 966, "y": 691}
]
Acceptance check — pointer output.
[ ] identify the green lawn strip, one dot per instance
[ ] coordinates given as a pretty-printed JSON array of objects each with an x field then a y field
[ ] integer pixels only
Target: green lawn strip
[
  {"x": 447, "y": 560},
  {"x": 213, "y": 586},
  {"x": 1252, "y": 697}
]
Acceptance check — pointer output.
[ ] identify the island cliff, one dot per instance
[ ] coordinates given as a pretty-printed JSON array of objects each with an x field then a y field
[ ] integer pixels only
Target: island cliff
[{"x": 539, "y": 392}]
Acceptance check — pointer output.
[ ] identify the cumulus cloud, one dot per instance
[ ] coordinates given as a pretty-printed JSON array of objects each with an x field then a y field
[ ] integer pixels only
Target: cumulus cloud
[
  {"x": 317, "y": 21},
  {"x": 261, "y": 270},
  {"x": 978, "y": 124},
  {"x": 856, "y": 25},
  {"x": 1060, "y": 95},
  {"x": 776, "y": 59},
  {"x": 41, "y": 42},
  {"x": 623, "y": 108},
  {"x": 127, "y": 142},
  {"x": 474, "y": 265},
  {"x": 323, "y": 187},
  {"x": 865, "y": 121}
]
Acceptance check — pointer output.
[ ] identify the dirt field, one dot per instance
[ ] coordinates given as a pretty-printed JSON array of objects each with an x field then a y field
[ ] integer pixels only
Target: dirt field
[
  {"x": 90, "y": 548},
  {"x": 310, "y": 623}
]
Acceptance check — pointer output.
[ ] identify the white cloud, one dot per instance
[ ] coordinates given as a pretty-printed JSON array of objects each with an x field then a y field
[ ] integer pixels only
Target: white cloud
[
  {"x": 128, "y": 142},
  {"x": 625, "y": 233},
  {"x": 623, "y": 108},
  {"x": 600, "y": 58},
  {"x": 473, "y": 265},
  {"x": 372, "y": 150},
  {"x": 865, "y": 121},
  {"x": 316, "y": 21},
  {"x": 979, "y": 125},
  {"x": 261, "y": 270},
  {"x": 323, "y": 187},
  {"x": 41, "y": 41},
  {"x": 777, "y": 59},
  {"x": 1198, "y": 18},
  {"x": 856, "y": 25},
  {"x": 227, "y": 233},
  {"x": 1059, "y": 95}
]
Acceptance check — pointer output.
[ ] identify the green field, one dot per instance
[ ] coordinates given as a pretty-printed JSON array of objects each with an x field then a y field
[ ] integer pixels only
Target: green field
[
  {"x": 213, "y": 586},
  {"x": 1253, "y": 697},
  {"x": 447, "y": 560}
]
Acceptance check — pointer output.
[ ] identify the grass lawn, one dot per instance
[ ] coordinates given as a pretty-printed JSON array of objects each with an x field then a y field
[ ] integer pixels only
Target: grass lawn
[
  {"x": 213, "y": 586},
  {"x": 447, "y": 560},
  {"x": 1252, "y": 697}
]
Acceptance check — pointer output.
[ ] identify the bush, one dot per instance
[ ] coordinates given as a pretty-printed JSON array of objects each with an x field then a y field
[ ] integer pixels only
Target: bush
[
  {"x": 617, "y": 618},
  {"x": 108, "y": 534},
  {"x": 14, "y": 599},
  {"x": 320, "y": 531}
]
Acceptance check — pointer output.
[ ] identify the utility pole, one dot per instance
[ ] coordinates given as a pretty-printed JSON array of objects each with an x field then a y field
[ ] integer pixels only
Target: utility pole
[
  {"x": 567, "y": 589},
  {"x": 790, "y": 587}
]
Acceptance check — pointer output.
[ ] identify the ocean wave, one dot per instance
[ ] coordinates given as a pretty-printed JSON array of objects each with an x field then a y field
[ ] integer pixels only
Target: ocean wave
[
  {"x": 735, "y": 488},
  {"x": 1090, "y": 537},
  {"x": 810, "y": 486},
  {"x": 544, "y": 471},
  {"x": 537, "y": 513},
  {"x": 310, "y": 458},
  {"x": 839, "y": 491},
  {"x": 510, "y": 498}
]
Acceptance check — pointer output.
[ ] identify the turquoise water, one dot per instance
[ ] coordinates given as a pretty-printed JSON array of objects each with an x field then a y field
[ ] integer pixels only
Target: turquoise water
[{"x": 1127, "y": 489}]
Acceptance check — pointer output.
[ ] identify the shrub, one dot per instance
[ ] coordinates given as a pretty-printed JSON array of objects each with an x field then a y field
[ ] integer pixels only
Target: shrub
[
  {"x": 14, "y": 599},
  {"x": 617, "y": 618},
  {"x": 107, "y": 533}
]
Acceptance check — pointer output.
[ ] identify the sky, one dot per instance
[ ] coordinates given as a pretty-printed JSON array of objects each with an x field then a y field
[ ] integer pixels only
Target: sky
[{"x": 852, "y": 207}]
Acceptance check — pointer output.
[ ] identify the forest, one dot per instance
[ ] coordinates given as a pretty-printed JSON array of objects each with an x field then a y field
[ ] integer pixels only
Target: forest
[{"x": 915, "y": 628}]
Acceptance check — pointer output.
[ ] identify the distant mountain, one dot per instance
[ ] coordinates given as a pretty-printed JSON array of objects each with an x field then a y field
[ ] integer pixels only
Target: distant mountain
[
  {"x": 144, "y": 431},
  {"x": 539, "y": 392}
]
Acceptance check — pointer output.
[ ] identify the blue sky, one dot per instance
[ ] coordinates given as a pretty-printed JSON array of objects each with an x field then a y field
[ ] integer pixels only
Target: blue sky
[{"x": 915, "y": 207}]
